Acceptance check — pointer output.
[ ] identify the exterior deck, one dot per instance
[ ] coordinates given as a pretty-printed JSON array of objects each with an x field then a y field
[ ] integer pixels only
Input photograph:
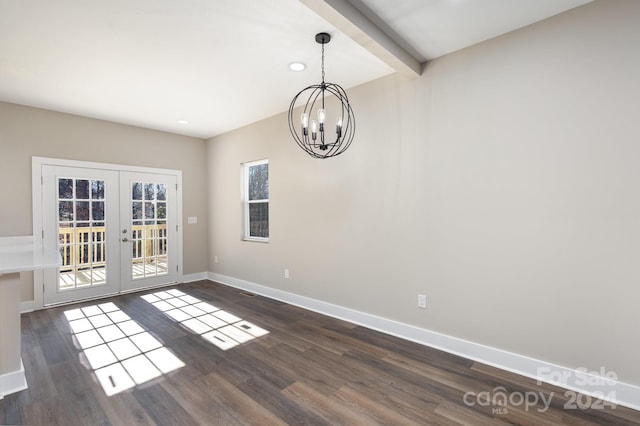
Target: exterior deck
[{"x": 83, "y": 252}]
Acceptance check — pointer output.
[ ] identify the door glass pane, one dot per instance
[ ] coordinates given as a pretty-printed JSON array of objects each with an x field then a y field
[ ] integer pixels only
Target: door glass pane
[
  {"x": 162, "y": 191},
  {"x": 149, "y": 210},
  {"x": 82, "y": 210},
  {"x": 65, "y": 211},
  {"x": 162, "y": 210},
  {"x": 149, "y": 191},
  {"x": 81, "y": 233},
  {"x": 65, "y": 189},
  {"x": 97, "y": 190},
  {"x": 148, "y": 236},
  {"x": 136, "y": 191},
  {"x": 82, "y": 189},
  {"x": 97, "y": 210}
]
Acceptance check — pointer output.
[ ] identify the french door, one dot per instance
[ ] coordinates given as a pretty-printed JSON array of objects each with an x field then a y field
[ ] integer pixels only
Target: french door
[
  {"x": 148, "y": 229},
  {"x": 116, "y": 231}
]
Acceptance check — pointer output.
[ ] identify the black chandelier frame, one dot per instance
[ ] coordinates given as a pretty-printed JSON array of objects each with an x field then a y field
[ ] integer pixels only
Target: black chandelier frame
[{"x": 318, "y": 144}]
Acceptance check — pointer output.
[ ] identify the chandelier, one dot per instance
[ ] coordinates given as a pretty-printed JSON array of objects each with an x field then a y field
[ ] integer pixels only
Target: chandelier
[{"x": 312, "y": 132}]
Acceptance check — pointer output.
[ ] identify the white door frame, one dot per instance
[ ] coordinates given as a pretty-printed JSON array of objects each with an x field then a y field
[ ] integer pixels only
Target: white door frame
[{"x": 36, "y": 194}]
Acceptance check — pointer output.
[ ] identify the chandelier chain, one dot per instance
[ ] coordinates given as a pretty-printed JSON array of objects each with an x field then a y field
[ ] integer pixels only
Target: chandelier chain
[{"x": 322, "y": 62}]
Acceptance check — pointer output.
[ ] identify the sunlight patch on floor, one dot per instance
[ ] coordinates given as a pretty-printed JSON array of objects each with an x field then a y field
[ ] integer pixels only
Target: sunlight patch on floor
[
  {"x": 120, "y": 352},
  {"x": 219, "y": 327}
]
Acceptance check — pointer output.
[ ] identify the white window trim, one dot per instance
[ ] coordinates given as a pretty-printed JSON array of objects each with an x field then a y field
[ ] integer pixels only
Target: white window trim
[{"x": 246, "y": 202}]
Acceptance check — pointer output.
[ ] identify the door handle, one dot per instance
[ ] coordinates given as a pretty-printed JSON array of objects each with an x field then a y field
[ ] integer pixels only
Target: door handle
[{"x": 125, "y": 240}]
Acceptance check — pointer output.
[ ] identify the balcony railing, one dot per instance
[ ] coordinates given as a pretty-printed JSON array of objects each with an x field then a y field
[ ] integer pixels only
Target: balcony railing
[{"x": 81, "y": 248}]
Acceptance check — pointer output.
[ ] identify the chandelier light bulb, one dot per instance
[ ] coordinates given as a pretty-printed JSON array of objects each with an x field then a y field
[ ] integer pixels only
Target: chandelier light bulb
[
  {"x": 321, "y": 115},
  {"x": 304, "y": 119},
  {"x": 314, "y": 129}
]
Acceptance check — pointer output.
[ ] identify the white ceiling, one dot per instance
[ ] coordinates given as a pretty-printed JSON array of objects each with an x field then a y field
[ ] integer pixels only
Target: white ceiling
[
  {"x": 221, "y": 64},
  {"x": 436, "y": 27}
]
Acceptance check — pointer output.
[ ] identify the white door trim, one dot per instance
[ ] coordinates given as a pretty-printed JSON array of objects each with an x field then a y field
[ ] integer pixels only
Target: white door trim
[{"x": 36, "y": 194}]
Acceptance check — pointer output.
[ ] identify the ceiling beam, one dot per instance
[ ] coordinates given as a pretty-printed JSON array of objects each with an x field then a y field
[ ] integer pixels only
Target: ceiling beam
[{"x": 357, "y": 26}]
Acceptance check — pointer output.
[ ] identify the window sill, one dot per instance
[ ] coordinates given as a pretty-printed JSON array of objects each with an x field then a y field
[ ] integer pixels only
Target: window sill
[{"x": 256, "y": 239}]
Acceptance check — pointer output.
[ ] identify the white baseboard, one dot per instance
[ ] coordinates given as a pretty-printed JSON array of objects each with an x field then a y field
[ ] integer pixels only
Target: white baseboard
[
  {"x": 26, "y": 306},
  {"x": 13, "y": 382},
  {"x": 189, "y": 278},
  {"x": 612, "y": 390}
]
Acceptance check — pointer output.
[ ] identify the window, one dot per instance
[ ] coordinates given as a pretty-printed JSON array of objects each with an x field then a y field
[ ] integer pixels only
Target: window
[{"x": 256, "y": 200}]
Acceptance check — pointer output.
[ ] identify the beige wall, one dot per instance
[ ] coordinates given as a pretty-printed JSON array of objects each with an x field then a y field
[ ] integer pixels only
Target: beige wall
[
  {"x": 27, "y": 132},
  {"x": 503, "y": 184}
]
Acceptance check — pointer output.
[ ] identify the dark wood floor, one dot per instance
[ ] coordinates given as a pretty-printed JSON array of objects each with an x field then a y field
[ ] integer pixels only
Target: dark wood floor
[{"x": 309, "y": 369}]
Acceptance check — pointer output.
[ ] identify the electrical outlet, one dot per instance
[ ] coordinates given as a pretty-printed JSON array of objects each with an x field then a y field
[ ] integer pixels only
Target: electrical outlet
[
  {"x": 422, "y": 301},
  {"x": 215, "y": 259},
  {"x": 286, "y": 273}
]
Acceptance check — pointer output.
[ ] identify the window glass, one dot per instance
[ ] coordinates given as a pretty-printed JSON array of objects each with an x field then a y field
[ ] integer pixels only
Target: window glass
[
  {"x": 259, "y": 182},
  {"x": 256, "y": 200},
  {"x": 259, "y": 220}
]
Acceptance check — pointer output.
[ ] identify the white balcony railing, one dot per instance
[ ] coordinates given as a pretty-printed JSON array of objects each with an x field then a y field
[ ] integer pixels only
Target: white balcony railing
[{"x": 83, "y": 253}]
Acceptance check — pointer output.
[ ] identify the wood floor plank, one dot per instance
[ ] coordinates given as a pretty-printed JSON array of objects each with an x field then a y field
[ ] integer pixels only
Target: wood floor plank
[
  {"x": 309, "y": 369},
  {"x": 41, "y": 385},
  {"x": 464, "y": 416},
  {"x": 403, "y": 380},
  {"x": 162, "y": 407},
  {"x": 272, "y": 399},
  {"x": 323, "y": 406},
  {"x": 455, "y": 380},
  {"x": 123, "y": 409},
  {"x": 77, "y": 389},
  {"x": 416, "y": 408},
  {"x": 200, "y": 404},
  {"x": 11, "y": 414},
  {"x": 367, "y": 407},
  {"x": 337, "y": 333},
  {"x": 317, "y": 338},
  {"x": 250, "y": 363},
  {"x": 190, "y": 350},
  {"x": 246, "y": 409},
  {"x": 288, "y": 359}
]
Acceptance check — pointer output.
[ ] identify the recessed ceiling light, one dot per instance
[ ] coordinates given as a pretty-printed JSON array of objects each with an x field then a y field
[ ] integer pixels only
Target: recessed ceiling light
[
  {"x": 297, "y": 66},
  {"x": 183, "y": 122}
]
